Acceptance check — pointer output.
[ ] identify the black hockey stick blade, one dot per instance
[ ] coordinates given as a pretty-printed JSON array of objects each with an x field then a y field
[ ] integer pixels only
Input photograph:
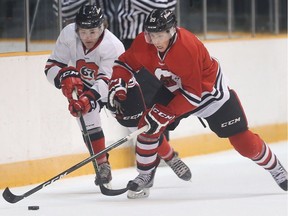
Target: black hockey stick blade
[
  {"x": 112, "y": 192},
  {"x": 10, "y": 197}
]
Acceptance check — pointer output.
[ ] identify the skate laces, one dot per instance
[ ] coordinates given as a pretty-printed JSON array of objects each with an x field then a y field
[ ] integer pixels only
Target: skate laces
[
  {"x": 143, "y": 179},
  {"x": 279, "y": 173},
  {"x": 179, "y": 168},
  {"x": 104, "y": 170}
]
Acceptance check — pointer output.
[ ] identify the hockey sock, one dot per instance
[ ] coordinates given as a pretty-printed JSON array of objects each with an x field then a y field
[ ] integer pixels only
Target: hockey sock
[
  {"x": 252, "y": 146},
  {"x": 165, "y": 151},
  {"x": 98, "y": 144},
  {"x": 146, "y": 154},
  {"x": 269, "y": 162},
  {"x": 266, "y": 159},
  {"x": 248, "y": 144}
]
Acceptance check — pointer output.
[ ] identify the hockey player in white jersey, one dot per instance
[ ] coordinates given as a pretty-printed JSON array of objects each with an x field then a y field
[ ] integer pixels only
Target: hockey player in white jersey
[{"x": 82, "y": 59}]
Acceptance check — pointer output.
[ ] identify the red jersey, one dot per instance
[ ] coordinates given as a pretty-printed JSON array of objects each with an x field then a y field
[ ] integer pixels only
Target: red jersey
[{"x": 185, "y": 68}]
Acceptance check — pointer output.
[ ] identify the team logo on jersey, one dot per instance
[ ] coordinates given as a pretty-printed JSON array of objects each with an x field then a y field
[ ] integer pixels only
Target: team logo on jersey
[
  {"x": 167, "y": 81},
  {"x": 170, "y": 80},
  {"x": 88, "y": 70},
  {"x": 87, "y": 73}
]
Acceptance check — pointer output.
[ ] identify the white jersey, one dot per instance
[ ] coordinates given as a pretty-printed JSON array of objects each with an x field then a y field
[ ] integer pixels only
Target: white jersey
[{"x": 94, "y": 65}]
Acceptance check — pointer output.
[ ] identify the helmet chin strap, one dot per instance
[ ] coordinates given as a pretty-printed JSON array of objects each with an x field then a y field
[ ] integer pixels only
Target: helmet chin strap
[
  {"x": 171, "y": 41},
  {"x": 172, "y": 38}
]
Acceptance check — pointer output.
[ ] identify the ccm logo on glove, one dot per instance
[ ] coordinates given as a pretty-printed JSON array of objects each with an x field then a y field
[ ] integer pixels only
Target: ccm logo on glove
[
  {"x": 162, "y": 114},
  {"x": 69, "y": 79},
  {"x": 157, "y": 118},
  {"x": 69, "y": 73}
]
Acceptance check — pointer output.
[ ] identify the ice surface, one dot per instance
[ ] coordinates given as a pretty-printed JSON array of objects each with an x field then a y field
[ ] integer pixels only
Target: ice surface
[{"x": 222, "y": 184}]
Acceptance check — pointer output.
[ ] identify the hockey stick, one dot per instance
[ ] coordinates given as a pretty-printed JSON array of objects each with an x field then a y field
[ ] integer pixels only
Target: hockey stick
[
  {"x": 12, "y": 198},
  {"x": 88, "y": 142},
  {"x": 104, "y": 190}
]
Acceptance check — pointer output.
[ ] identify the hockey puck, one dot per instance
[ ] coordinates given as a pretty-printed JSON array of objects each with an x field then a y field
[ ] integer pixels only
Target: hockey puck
[{"x": 33, "y": 207}]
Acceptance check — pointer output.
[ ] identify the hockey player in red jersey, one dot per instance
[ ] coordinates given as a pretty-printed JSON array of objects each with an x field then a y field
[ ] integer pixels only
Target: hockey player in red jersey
[
  {"x": 181, "y": 62},
  {"x": 82, "y": 59}
]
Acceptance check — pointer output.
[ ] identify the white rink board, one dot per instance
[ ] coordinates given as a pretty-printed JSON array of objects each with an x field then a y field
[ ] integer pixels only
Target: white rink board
[{"x": 35, "y": 122}]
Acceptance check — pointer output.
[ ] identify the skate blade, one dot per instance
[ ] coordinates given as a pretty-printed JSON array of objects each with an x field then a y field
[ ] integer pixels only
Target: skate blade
[{"x": 138, "y": 194}]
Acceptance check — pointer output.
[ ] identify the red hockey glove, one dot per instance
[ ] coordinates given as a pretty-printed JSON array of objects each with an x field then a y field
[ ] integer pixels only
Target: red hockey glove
[
  {"x": 117, "y": 94},
  {"x": 85, "y": 103},
  {"x": 70, "y": 80},
  {"x": 157, "y": 118}
]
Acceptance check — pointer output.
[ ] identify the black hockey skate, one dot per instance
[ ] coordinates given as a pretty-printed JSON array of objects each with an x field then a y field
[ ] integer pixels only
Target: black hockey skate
[
  {"x": 140, "y": 186},
  {"x": 179, "y": 168},
  {"x": 280, "y": 175},
  {"x": 104, "y": 171}
]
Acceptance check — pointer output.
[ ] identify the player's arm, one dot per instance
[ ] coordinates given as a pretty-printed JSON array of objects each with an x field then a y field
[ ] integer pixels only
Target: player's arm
[
  {"x": 58, "y": 59},
  {"x": 98, "y": 93},
  {"x": 161, "y": 115},
  {"x": 57, "y": 71},
  {"x": 181, "y": 104},
  {"x": 109, "y": 55},
  {"x": 122, "y": 77},
  {"x": 185, "y": 99},
  {"x": 52, "y": 69},
  {"x": 63, "y": 77},
  {"x": 196, "y": 78},
  {"x": 90, "y": 99}
]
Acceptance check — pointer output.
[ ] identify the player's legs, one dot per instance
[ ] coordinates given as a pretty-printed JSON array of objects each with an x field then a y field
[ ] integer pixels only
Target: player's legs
[
  {"x": 146, "y": 161},
  {"x": 167, "y": 153},
  {"x": 250, "y": 145},
  {"x": 149, "y": 150},
  {"x": 230, "y": 121},
  {"x": 93, "y": 126},
  {"x": 146, "y": 148}
]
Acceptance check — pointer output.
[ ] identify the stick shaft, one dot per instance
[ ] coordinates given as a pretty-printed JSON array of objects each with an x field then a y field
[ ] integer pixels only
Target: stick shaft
[{"x": 10, "y": 197}]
